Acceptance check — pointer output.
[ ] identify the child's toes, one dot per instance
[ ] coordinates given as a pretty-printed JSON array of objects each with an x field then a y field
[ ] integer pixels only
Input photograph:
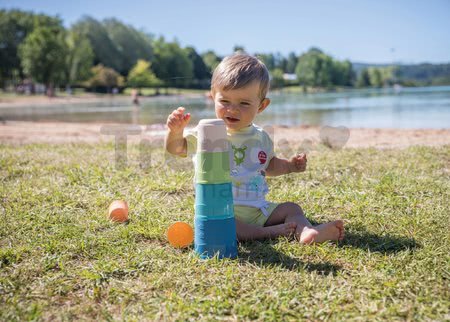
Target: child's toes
[
  {"x": 292, "y": 225},
  {"x": 339, "y": 224}
]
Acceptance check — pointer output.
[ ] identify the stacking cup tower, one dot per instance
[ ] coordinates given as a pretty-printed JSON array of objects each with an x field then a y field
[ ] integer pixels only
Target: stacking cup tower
[{"x": 215, "y": 228}]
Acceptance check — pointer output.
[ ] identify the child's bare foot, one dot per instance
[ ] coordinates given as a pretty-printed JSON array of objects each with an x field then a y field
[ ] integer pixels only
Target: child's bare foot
[
  {"x": 330, "y": 231},
  {"x": 286, "y": 229}
]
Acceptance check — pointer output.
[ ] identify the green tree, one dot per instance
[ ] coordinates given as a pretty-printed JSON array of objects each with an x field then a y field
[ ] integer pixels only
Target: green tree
[
  {"x": 314, "y": 68},
  {"x": 131, "y": 45},
  {"x": 342, "y": 73},
  {"x": 43, "y": 56},
  {"x": 79, "y": 58},
  {"x": 105, "y": 51},
  {"x": 141, "y": 75},
  {"x": 291, "y": 63},
  {"x": 104, "y": 77},
  {"x": 388, "y": 75},
  {"x": 376, "y": 79},
  {"x": 15, "y": 26},
  {"x": 277, "y": 79},
  {"x": 268, "y": 60},
  {"x": 238, "y": 49},
  {"x": 211, "y": 60},
  {"x": 201, "y": 71},
  {"x": 363, "y": 79},
  {"x": 279, "y": 62},
  {"x": 172, "y": 64}
]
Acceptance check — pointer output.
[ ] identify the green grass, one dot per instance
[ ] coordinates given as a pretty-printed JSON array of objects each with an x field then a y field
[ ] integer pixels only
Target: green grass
[{"x": 61, "y": 259}]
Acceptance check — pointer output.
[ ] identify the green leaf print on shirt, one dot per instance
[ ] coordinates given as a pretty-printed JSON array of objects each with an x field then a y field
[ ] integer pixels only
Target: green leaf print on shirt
[{"x": 239, "y": 154}]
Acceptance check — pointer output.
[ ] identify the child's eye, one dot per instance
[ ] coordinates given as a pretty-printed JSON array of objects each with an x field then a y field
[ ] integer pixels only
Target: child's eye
[
  {"x": 245, "y": 103},
  {"x": 224, "y": 101}
]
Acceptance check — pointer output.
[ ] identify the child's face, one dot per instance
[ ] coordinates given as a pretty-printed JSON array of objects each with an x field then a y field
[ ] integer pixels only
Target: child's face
[{"x": 238, "y": 107}]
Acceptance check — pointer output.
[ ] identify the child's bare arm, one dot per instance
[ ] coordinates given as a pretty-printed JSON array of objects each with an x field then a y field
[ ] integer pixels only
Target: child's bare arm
[
  {"x": 175, "y": 143},
  {"x": 278, "y": 167}
]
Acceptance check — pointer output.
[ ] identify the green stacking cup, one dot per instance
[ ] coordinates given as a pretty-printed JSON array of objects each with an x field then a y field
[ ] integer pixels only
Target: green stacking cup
[{"x": 213, "y": 167}]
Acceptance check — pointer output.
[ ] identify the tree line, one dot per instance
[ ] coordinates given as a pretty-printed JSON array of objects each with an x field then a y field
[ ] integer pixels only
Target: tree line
[{"x": 108, "y": 54}]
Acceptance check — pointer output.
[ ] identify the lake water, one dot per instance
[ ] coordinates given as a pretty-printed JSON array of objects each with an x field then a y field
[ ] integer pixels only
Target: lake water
[{"x": 423, "y": 107}]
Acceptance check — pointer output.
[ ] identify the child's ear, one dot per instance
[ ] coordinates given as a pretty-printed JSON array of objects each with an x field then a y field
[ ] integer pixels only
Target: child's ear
[{"x": 265, "y": 102}]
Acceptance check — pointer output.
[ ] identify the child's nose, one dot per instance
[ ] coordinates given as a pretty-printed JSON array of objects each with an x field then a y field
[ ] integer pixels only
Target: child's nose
[{"x": 233, "y": 107}]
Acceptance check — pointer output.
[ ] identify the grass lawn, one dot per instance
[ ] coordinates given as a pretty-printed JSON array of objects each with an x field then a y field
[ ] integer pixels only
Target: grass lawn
[{"x": 60, "y": 258}]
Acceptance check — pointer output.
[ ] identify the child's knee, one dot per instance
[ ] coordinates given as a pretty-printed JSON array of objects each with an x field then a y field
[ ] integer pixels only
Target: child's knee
[{"x": 292, "y": 207}]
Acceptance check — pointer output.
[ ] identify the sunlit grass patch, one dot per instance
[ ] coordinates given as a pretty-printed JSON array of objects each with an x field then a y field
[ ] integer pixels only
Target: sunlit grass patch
[{"x": 60, "y": 258}]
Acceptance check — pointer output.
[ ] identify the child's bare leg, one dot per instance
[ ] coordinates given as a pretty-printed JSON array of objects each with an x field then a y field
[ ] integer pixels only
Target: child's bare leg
[
  {"x": 246, "y": 231},
  {"x": 290, "y": 212}
]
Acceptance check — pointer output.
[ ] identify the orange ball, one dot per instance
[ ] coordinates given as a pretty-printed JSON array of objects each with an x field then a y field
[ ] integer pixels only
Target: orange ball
[
  {"x": 118, "y": 211},
  {"x": 180, "y": 234}
]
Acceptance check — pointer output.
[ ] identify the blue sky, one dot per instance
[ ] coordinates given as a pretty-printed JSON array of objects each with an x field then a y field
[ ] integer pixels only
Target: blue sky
[{"x": 363, "y": 31}]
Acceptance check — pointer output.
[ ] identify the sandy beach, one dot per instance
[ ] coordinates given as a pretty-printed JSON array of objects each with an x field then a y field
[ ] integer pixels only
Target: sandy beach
[{"x": 13, "y": 132}]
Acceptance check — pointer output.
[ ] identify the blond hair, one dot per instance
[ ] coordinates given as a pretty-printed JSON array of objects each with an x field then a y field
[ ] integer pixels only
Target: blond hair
[{"x": 237, "y": 71}]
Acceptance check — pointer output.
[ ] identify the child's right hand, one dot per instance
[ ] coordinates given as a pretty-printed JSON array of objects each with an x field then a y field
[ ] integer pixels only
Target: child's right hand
[{"x": 177, "y": 120}]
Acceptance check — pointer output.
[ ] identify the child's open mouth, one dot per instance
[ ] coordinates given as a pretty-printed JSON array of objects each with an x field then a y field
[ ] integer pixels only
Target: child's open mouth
[{"x": 232, "y": 119}]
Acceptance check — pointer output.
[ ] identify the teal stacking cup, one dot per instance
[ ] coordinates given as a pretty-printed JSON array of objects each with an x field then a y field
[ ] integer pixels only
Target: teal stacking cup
[{"x": 214, "y": 201}]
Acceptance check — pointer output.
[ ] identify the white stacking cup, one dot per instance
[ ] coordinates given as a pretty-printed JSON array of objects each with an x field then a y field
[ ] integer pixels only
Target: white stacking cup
[{"x": 212, "y": 136}]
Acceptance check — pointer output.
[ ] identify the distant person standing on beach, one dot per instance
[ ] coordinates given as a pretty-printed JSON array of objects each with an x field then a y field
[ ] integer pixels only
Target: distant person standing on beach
[
  {"x": 135, "y": 96},
  {"x": 136, "y": 108}
]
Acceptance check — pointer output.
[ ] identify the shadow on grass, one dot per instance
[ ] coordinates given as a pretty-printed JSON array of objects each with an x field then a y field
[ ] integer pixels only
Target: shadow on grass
[
  {"x": 359, "y": 237},
  {"x": 264, "y": 254},
  {"x": 388, "y": 244}
]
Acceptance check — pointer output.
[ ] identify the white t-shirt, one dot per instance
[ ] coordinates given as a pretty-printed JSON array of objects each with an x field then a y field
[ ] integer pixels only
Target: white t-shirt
[{"x": 250, "y": 155}]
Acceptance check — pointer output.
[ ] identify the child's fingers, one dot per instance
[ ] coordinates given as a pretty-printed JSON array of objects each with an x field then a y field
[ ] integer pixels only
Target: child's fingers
[
  {"x": 300, "y": 163},
  {"x": 173, "y": 119},
  {"x": 184, "y": 119},
  {"x": 177, "y": 119},
  {"x": 300, "y": 160},
  {"x": 187, "y": 117},
  {"x": 178, "y": 113}
]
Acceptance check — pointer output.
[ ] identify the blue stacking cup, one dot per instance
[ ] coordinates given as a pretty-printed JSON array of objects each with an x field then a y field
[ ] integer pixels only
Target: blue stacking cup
[{"x": 215, "y": 237}]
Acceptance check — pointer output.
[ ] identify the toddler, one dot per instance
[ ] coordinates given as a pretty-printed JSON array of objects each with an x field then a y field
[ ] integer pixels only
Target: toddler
[{"x": 238, "y": 87}]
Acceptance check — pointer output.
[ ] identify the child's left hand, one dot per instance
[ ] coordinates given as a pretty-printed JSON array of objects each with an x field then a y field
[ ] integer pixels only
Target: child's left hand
[{"x": 298, "y": 163}]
